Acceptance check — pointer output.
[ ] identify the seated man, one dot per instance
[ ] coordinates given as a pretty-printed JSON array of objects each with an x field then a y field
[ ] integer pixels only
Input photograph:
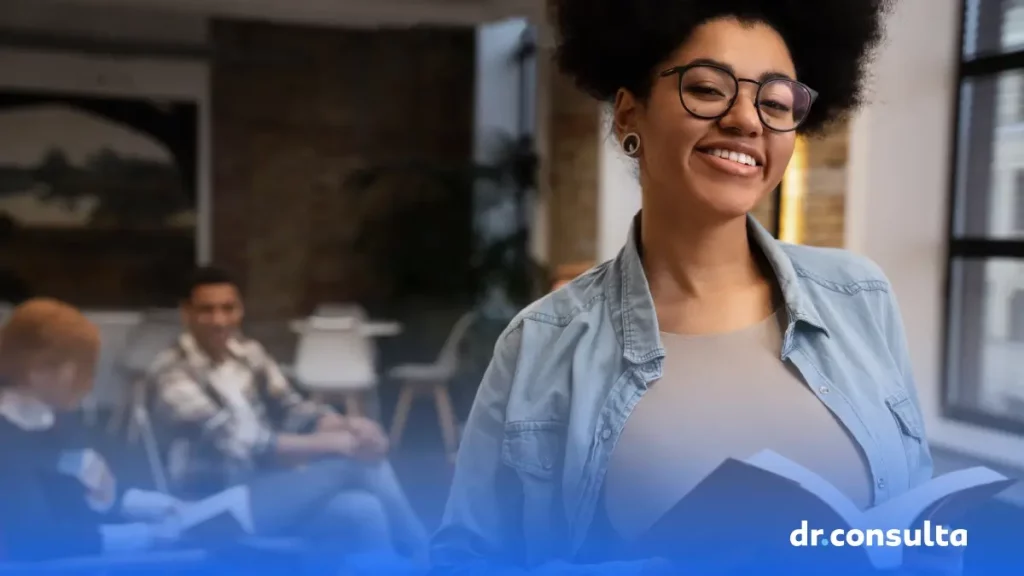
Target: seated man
[{"x": 243, "y": 419}]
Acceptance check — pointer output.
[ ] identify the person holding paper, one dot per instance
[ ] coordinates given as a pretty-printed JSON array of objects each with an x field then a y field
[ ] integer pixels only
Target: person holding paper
[
  {"x": 227, "y": 402},
  {"x": 58, "y": 497},
  {"x": 705, "y": 338}
]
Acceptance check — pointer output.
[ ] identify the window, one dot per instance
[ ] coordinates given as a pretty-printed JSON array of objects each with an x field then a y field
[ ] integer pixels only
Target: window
[{"x": 985, "y": 314}]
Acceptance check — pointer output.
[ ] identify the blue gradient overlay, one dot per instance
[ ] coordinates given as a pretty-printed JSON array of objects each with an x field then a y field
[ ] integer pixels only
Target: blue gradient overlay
[{"x": 995, "y": 547}]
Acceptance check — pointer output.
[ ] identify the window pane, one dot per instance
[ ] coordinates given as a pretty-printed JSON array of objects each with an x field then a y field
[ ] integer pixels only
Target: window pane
[
  {"x": 986, "y": 354},
  {"x": 990, "y": 163},
  {"x": 992, "y": 27}
]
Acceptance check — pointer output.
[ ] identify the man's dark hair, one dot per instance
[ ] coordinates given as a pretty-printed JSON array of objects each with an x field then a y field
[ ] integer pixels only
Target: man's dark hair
[
  {"x": 605, "y": 45},
  {"x": 206, "y": 276}
]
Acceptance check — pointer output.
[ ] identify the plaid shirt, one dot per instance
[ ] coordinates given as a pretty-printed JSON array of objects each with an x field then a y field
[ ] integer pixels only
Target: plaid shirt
[{"x": 221, "y": 438}]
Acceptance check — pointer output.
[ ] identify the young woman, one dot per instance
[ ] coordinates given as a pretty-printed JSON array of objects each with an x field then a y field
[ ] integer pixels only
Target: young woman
[{"x": 705, "y": 339}]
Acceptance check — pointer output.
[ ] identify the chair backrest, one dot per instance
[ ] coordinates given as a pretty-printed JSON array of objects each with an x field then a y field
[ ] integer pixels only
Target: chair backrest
[
  {"x": 151, "y": 337},
  {"x": 449, "y": 355},
  {"x": 335, "y": 358},
  {"x": 115, "y": 328}
]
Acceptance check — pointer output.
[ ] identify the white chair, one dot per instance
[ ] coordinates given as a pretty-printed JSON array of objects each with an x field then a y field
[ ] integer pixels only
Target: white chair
[
  {"x": 157, "y": 332},
  {"x": 434, "y": 379},
  {"x": 334, "y": 358},
  {"x": 109, "y": 390},
  {"x": 150, "y": 445}
]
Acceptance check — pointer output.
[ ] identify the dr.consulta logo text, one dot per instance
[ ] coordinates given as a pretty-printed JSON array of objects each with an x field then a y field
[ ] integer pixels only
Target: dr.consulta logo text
[{"x": 927, "y": 535}]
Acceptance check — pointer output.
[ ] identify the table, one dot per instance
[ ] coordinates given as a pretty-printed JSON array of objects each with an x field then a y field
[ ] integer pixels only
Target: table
[{"x": 371, "y": 329}]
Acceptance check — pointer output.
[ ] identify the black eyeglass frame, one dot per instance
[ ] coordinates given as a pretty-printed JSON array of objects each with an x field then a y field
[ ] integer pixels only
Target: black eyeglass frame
[{"x": 681, "y": 70}]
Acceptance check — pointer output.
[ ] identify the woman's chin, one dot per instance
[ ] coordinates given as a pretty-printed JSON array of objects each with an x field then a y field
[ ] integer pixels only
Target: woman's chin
[
  {"x": 727, "y": 211},
  {"x": 728, "y": 202}
]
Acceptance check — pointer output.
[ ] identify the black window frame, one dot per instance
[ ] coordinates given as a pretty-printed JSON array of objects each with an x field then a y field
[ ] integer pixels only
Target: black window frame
[{"x": 971, "y": 247}]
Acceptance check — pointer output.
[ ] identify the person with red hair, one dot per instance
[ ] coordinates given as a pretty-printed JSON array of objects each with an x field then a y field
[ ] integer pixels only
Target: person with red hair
[{"x": 58, "y": 497}]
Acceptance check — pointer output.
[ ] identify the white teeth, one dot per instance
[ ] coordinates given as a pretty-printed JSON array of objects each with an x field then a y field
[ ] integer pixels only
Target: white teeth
[{"x": 734, "y": 156}]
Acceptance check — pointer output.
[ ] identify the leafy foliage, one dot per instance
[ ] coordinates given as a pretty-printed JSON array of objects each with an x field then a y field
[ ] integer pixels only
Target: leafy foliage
[{"x": 506, "y": 181}]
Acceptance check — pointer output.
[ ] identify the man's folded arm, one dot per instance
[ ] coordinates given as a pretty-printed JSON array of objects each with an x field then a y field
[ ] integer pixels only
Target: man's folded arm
[{"x": 182, "y": 401}]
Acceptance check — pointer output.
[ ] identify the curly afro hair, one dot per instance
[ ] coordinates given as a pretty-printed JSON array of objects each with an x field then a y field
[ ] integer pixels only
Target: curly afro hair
[{"x": 604, "y": 45}]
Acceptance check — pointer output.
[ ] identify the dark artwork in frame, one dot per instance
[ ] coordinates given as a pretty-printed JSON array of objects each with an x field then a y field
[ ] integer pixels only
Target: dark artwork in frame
[{"x": 98, "y": 197}]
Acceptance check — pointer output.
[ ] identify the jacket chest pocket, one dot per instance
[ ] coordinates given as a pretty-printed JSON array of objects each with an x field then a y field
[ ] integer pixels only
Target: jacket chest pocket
[
  {"x": 535, "y": 452},
  {"x": 908, "y": 420}
]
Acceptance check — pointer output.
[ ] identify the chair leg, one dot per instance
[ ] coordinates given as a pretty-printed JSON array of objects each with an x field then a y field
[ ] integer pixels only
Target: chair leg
[
  {"x": 405, "y": 397},
  {"x": 446, "y": 418},
  {"x": 118, "y": 417}
]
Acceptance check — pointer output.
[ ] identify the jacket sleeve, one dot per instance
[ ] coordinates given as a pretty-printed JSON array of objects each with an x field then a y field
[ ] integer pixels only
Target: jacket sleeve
[{"x": 481, "y": 532}]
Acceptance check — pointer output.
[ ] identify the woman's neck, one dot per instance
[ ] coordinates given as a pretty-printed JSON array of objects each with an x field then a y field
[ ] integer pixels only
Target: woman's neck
[{"x": 703, "y": 277}]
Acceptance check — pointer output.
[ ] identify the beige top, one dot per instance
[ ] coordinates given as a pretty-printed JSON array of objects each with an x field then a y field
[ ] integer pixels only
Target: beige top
[{"x": 720, "y": 396}]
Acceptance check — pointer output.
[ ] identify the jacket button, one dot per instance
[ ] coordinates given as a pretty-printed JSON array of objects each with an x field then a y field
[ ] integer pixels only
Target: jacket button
[{"x": 606, "y": 433}]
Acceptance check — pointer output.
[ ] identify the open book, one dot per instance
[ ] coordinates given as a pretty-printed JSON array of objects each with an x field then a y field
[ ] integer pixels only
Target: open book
[
  {"x": 764, "y": 500},
  {"x": 225, "y": 515}
]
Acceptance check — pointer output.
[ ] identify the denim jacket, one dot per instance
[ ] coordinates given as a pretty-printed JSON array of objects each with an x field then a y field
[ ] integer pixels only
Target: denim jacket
[{"x": 569, "y": 369}]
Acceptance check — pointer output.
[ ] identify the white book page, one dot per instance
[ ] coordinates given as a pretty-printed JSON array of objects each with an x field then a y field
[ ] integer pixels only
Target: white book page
[
  {"x": 234, "y": 501},
  {"x": 829, "y": 494},
  {"x": 147, "y": 504},
  {"x": 901, "y": 511}
]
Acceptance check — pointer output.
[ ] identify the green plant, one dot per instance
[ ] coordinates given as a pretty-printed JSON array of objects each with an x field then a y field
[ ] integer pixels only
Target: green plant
[{"x": 497, "y": 259}]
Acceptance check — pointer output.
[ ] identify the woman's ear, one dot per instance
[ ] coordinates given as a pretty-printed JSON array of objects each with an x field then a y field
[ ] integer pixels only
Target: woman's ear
[{"x": 625, "y": 112}]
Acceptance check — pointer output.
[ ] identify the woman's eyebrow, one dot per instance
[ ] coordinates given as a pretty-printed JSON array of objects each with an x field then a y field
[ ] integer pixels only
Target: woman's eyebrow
[{"x": 770, "y": 75}]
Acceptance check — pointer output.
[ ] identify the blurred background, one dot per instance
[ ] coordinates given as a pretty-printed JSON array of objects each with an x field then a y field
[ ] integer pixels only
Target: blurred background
[{"x": 418, "y": 162}]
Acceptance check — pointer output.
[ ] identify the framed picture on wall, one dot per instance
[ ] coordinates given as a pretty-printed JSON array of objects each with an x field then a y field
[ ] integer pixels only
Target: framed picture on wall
[{"x": 101, "y": 186}]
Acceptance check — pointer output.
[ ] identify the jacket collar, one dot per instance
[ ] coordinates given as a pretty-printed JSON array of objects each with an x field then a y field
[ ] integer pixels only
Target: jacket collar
[{"x": 632, "y": 306}]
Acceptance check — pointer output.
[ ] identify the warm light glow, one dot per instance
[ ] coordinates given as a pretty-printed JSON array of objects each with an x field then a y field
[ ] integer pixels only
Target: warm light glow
[{"x": 794, "y": 189}]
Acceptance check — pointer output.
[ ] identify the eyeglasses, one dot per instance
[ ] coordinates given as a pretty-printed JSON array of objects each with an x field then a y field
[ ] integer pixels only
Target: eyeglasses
[{"x": 708, "y": 92}]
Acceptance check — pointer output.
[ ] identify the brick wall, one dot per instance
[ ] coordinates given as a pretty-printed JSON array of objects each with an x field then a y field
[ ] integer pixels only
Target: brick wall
[
  {"x": 572, "y": 170},
  {"x": 294, "y": 110},
  {"x": 824, "y": 204}
]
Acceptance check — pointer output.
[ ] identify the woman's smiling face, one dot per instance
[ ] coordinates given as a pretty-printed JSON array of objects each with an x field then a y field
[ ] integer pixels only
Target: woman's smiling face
[{"x": 711, "y": 169}]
